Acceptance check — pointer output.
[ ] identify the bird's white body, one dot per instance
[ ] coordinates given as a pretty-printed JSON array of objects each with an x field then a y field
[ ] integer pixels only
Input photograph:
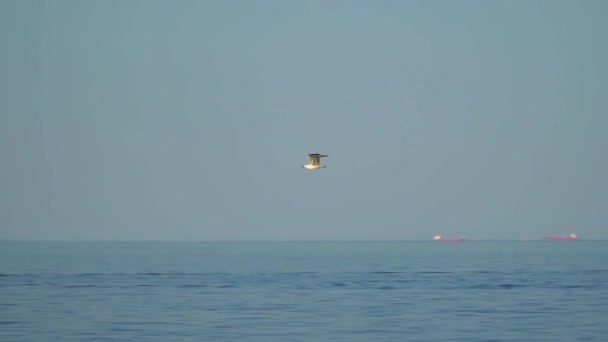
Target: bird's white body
[
  {"x": 314, "y": 161},
  {"x": 313, "y": 167}
]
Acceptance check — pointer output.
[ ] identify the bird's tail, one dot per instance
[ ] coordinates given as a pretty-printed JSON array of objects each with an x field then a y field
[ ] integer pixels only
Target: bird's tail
[{"x": 324, "y": 155}]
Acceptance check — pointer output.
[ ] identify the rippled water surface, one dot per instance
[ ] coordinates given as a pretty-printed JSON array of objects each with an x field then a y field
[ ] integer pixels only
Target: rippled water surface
[{"x": 308, "y": 291}]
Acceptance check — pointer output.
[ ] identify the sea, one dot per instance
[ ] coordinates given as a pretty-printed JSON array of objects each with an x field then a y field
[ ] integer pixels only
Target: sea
[{"x": 304, "y": 291}]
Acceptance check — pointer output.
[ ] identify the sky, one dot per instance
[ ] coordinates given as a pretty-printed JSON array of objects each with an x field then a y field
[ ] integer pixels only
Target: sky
[{"x": 191, "y": 120}]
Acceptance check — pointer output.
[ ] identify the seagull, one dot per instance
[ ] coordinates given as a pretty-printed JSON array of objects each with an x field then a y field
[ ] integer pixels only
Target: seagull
[{"x": 314, "y": 161}]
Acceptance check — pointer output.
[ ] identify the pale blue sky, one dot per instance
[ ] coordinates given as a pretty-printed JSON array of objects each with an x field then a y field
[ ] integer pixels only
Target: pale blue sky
[{"x": 190, "y": 120}]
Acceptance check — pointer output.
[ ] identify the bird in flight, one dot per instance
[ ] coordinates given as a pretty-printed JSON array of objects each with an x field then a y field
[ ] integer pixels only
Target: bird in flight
[{"x": 314, "y": 161}]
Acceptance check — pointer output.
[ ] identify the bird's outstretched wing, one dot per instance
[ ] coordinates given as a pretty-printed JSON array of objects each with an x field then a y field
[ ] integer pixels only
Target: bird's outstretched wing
[{"x": 314, "y": 158}]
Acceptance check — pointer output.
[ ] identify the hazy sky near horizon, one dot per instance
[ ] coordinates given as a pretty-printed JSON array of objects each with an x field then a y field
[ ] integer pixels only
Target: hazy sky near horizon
[{"x": 190, "y": 120}]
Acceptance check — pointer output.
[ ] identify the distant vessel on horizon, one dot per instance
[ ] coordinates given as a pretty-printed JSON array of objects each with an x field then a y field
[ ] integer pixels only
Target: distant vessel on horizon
[
  {"x": 451, "y": 239},
  {"x": 570, "y": 237}
]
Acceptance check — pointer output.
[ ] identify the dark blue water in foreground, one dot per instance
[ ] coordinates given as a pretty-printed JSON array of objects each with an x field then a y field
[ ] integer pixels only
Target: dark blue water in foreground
[{"x": 310, "y": 291}]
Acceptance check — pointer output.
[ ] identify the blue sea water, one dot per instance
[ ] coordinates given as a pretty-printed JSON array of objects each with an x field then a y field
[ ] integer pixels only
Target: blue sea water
[{"x": 304, "y": 291}]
